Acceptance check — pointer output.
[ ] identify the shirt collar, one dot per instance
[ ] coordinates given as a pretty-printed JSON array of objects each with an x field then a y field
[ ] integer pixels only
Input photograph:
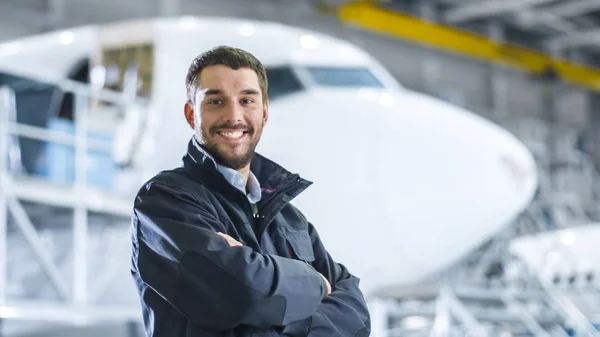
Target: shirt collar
[{"x": 234, "y": 177}]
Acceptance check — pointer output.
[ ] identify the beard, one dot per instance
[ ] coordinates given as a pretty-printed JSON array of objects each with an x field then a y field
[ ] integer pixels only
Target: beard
[{"x": 235, "y": 156}]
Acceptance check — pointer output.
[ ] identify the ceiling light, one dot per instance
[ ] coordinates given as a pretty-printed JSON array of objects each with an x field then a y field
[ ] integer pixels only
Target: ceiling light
[
  {"x": 568, "y": 238},
  {"x": 386, "y": 100},
  {"x": 66, "y": 37},
  {"x": 246, "y": 29},
  {"x": 10, "y": 49},
  {"x": 309, "y": 42},
  {"x": 187, "y": 23}
]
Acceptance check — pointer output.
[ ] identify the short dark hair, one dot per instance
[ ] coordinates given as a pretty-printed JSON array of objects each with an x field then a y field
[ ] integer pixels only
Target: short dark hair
[{"x": 234, "y": 58}]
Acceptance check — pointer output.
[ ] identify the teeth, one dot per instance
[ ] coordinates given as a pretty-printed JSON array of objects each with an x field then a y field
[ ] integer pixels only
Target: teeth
[{"x": 236, "y": 134}]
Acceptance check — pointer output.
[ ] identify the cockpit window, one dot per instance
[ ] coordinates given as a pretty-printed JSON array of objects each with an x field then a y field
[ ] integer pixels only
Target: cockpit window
[
  {"x": 282, "y": 81},
  {"x": 344, "y": 77}
]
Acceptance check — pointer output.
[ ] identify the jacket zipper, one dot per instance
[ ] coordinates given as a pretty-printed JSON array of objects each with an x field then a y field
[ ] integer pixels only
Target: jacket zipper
[
  {"x": 270, "y": 200},
  {"x": 254, "y": 210},
  {"x": 249, "y": 211}
]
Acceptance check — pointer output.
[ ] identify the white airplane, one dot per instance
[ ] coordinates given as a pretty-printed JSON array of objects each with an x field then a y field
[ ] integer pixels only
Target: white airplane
[
  {"x": 404, "y": 183},
  {"x": 564, "y": 262},
  {"x": 565, "y": 258}
]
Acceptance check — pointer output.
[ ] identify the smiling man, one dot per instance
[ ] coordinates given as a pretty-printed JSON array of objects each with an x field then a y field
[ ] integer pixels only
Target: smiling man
[{"x": 218, "y": 250}]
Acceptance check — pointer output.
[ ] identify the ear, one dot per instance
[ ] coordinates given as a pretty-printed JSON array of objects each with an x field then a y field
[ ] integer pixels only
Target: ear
[
  {"x": 188, "y": 110},
  {"x": 266, "y": 111}
]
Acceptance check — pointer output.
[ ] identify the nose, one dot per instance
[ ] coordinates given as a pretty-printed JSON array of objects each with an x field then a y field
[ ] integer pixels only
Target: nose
[{"x": 234, "y": 112}]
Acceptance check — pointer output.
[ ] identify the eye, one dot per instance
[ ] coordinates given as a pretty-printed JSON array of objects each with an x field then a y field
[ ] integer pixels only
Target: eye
[
  {"x": 215, "y": 101},
  {"x": 247, "y": 101}
]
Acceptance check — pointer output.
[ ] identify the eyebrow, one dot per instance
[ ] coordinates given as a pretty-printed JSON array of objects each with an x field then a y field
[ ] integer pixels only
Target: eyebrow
[
  {"x": 213, "y": 92},
  {"x": 249, "y": 92},
  {"x": 220, "y": 92}
]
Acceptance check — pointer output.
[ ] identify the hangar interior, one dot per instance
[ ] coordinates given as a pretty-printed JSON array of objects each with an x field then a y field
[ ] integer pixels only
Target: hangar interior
[{"x": 531, "y": 66}]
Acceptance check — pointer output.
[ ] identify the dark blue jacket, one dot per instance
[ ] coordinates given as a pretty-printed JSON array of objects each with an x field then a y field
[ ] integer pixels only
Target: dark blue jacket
[{"x": 192, "y": 284}]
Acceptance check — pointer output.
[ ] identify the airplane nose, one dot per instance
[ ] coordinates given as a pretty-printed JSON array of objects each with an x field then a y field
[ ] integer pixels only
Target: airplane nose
[{"x": 404, "y": 175}]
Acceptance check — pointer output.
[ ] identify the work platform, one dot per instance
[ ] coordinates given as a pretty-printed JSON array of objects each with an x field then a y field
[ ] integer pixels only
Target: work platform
[{"x": 64, "y": 240}]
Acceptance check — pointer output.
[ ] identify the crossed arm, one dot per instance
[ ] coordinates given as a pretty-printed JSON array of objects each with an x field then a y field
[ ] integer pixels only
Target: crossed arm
[
  {"x": 178, "y": 253},
  {"x": 343, "y": 312}
]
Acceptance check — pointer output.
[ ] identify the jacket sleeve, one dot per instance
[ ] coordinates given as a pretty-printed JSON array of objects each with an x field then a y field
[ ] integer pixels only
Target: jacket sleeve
[
  {"x": 178, "y": 254},
  {"x": 344, "y": 312}
]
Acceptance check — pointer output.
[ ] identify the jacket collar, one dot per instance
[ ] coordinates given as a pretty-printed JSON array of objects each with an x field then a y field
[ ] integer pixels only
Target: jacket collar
[
  {"x": 273, "y": 178},
  {"x": 234, "y": 177}
]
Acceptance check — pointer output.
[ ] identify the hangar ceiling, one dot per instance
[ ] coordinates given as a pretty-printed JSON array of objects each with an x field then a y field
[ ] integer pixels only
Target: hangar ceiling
[
  {"x": 565, "y": 28},
  {"x": 568, "y": 28}
]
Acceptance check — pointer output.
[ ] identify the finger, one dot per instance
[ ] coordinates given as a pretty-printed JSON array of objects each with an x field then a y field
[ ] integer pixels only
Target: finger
[
  {"x": 225, "y": 237},
  {"x": 231, "y": 241},
  {"x": 229, "y": 238}
]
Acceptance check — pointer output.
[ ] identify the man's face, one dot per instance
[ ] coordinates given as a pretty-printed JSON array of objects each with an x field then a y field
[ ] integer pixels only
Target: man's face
[{"x": 228, "y": 114}]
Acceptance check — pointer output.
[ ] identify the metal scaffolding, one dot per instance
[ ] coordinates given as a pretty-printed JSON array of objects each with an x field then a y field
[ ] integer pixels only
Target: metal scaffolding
[{"x": 92, "y": 256}]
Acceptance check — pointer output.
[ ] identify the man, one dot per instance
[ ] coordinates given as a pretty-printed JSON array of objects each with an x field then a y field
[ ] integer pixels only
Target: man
[{"x": 218, "y": 250}]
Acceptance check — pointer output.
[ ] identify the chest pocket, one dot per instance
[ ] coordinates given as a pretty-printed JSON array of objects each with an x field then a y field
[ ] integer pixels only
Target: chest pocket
[{"x": 299, "y": 245}]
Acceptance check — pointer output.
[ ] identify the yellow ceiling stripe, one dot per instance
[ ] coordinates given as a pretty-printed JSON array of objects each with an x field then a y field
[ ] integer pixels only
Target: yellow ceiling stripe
[{"x": 369, "y": 16}]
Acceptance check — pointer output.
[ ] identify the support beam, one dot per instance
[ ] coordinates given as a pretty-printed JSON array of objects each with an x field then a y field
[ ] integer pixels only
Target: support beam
[
  {"x": 574, "y": 8},
  {"x": 431, "y": 67},
  {"x": 487, "y": 9},
  {"x": 442, "y": 320},
  {"x": 498, "y": 86},
  {"x": 565, "y": 307},
  {"x": 427, "y": 10},
  {"x": 526, "y": 317},
  {"x": 452, "y": 39},
  {"x": 56, "y": 12},
  {"x": 80, "y": 211},
  {"x": 529, "y": 18},
  {"x": 65, "y": 313},
  {"x": 36, "y": 243},
  {"x": 582, "y": 38},
  {"x": 595, "y": 125},
  {"x": 170, "y": 7},
  {"x": 6, "y": 98},
  {"x": 380, "y": 309},
  {"x": 460, "y": 311},
  {"x": 556, "y": 16}
]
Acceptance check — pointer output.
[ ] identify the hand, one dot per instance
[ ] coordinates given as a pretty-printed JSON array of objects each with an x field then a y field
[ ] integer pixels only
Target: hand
[
  {"x": 231, "y": 241},
  {"x": 327, "y": 283}
]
